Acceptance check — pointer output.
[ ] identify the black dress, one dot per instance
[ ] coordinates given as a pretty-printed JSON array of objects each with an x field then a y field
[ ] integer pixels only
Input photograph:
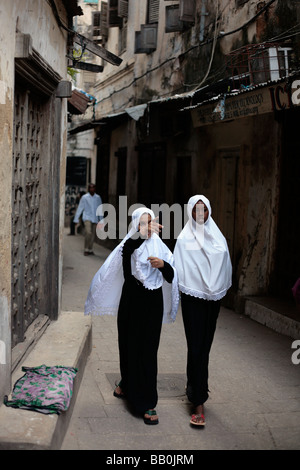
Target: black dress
[{"x": 139, "y": 326}]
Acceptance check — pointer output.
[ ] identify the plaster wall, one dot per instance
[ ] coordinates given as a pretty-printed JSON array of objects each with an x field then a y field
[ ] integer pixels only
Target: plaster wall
[
  {"x": 256, "y": 192},
  {"x": 32, "y": 17},
  {"x": 174, "y": 70}
]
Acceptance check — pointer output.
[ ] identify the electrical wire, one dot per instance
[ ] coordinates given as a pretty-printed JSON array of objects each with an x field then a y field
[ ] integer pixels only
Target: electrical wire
[
  {"x": 207, "y": 41},
  {"x": 212, "y": 52}
]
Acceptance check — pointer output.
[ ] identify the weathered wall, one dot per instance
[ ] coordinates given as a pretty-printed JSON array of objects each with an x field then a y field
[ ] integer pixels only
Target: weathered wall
[
  {"x": 255, "y": 192},
  {"x": 28, "y": 17},
  {"x": 7, "y": 38}
]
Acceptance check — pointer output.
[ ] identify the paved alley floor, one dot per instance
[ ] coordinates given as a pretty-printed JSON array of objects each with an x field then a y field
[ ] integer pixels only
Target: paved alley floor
[{"x": 254, "y": 402}]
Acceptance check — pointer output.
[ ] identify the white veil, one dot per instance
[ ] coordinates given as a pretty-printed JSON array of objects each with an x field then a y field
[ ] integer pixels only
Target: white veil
[
  {"x": 106, "y": 287},
  {"x": 202, "y": 258}
]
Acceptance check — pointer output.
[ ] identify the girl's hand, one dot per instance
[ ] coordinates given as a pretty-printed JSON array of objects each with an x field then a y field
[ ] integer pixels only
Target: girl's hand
[
  {"x": 147, "y": 227},
  {"x": 156, "y": 262},
  {"x": 154, "y": 226}
]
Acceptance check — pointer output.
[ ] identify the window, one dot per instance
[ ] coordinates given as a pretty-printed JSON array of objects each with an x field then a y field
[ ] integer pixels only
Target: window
[
  {"x": 113, "y": 16},
  {"x": 153, "y": 11},
  {"x": 180, "y": 17},
  {"x": 173, "y": 22},
  {"x": 187, "y": 9},
  {"x": 96, "y": 34},
  {"x": 123, "y": 8},
  {"x": 123, "y": 36},
  {"x": 103, "y": 20},
  {"x": 146, "y": 39}
]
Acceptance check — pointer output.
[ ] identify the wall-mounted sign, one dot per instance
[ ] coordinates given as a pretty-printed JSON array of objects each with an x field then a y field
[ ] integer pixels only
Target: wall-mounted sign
[{"x": 249, "y": 103}]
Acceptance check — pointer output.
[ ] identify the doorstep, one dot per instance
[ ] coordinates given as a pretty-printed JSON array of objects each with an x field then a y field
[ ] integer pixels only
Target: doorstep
[
  {"x": 66, "y": 342},
  {"x": 280, "y": 316}
]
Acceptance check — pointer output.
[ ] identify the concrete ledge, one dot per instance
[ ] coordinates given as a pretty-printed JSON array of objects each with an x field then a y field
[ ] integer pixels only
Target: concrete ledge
[
  {"x": 66, "y": 342},
  {"x": 269, "y": 317}
]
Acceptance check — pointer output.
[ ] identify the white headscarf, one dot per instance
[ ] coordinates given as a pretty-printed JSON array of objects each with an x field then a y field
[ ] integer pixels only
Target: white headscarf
[
  {"x": 202, "y": 259},
  {"x": 106, "y": 287}
]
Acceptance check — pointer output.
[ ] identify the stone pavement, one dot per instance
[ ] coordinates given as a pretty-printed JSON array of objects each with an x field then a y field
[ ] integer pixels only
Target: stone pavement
[{"x": 254, "y": 402}]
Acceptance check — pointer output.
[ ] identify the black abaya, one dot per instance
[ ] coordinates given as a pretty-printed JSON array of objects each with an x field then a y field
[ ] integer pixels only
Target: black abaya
[{"x": 139, "y": 326}]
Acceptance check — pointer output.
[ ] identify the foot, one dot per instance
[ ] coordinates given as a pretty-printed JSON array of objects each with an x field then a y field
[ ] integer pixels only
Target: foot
[
  {"x": 150, "y": 417},
  {"x": 118, "y": 392},
  {"x": 198, "y": 419}
]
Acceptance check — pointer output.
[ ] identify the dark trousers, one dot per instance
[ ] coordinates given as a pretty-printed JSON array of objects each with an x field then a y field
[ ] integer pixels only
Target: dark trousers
[{"x": 200, "y": 319}]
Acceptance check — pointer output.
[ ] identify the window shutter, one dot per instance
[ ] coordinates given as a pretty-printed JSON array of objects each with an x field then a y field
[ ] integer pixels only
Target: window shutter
[
  {"x": 103, "y": 20},
  {"x": 123, "y": 37},
  {"x": 123, "y": 8},
  {"x": 113, "y": 18},
  {"x": 137, "y": 48},
  {"x": 149, "y": 36},
  {"x": 173, "y": 22},
  {"x": 153, "y": 11},
  {"x": 146, "y": 39},
  {"x": 96, "y": 23},
  {"x": 187, "y": 11}
]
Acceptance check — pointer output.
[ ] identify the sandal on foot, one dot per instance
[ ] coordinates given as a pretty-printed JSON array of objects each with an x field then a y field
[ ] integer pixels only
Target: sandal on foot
[
  {"x": 118, "y": 395},
  {"x": 198, "y": 419},
  {"x": 149, "y": 420}
]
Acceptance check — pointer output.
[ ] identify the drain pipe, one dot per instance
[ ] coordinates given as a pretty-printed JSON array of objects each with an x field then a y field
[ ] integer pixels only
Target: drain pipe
[{"x": 202, "y": 22}]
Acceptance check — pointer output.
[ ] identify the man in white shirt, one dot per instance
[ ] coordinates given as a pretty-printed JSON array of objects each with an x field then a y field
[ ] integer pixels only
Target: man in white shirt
[{"x": 88, "y": 205}]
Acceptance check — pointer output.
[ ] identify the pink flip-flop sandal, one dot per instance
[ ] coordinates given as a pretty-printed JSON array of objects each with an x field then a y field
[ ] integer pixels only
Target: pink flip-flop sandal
[{"x": 198, "y": 420}]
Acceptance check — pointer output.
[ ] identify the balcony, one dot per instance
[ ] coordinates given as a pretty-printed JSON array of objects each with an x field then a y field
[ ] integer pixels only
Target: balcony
[{"x": 257, "y": 63}]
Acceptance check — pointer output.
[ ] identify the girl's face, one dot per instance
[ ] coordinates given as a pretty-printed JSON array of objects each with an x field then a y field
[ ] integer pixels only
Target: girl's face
[
  {"x": 144, "y": 225},
  {"x": 200, "y": 212}
]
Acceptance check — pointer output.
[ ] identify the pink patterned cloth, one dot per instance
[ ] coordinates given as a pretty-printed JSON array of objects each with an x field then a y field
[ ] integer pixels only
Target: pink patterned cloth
[{"x": 44, "y": 389}]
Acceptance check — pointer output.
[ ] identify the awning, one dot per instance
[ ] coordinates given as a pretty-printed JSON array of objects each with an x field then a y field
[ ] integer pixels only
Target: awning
[
  {"x": 78, "y": 102},
  {"x": 135, "y": 112},
  {"x": 267, "y": 97}
]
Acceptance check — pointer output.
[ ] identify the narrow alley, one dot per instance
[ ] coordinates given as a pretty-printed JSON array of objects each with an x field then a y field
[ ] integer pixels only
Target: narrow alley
[{"x": 254, "y": 402}]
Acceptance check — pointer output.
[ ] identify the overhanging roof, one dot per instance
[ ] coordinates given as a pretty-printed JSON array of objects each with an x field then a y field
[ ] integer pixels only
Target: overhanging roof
[
  {"x": 135, "y": 112},
  {"x": 78, "y": 102}
]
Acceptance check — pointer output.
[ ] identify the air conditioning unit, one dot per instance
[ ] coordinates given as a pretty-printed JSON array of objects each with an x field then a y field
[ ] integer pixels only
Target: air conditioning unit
[
  {"x": 279, "y": 62},
  {"x": 98, "y": 39},
  {"x": 269, "y": 64}
]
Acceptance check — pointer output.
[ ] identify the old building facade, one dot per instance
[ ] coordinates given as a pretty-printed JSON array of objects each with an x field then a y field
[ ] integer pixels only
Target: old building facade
[
  {"x": 205, "y": 101},
  {"x": 33, "y": 111}
]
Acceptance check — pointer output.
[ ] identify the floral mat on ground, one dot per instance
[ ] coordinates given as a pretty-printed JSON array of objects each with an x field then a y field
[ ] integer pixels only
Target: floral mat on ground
[{"x": 44, "y": 389}]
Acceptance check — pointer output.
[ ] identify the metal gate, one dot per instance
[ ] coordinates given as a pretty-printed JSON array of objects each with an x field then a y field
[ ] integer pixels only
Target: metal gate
[{"x": 26, "y": 212}]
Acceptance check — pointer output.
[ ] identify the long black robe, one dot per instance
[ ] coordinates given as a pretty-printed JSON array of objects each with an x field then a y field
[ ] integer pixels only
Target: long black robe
[{"x": 139, "y": 326}]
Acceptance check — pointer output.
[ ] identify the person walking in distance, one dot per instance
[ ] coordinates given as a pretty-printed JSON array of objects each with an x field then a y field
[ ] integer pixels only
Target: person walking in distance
[
  {"x": 204, "y": 270},
  {"x": 88, "y": 205}
]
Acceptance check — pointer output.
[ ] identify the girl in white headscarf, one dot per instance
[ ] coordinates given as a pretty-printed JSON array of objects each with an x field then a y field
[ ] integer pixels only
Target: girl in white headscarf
[
  {"x": 204, "y": 271},
  {"x": 139, "y": 283}
]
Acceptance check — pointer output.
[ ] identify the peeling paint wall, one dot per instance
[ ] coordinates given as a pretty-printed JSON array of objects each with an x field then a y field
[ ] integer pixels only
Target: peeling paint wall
[
  {"x": 36, "y": 18},
  {"x": 212, "y": 153},
  {"x": 181, "y": 59},
  {"x": 7, "y": 35},
  {"x": 254, "y": 176}
]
